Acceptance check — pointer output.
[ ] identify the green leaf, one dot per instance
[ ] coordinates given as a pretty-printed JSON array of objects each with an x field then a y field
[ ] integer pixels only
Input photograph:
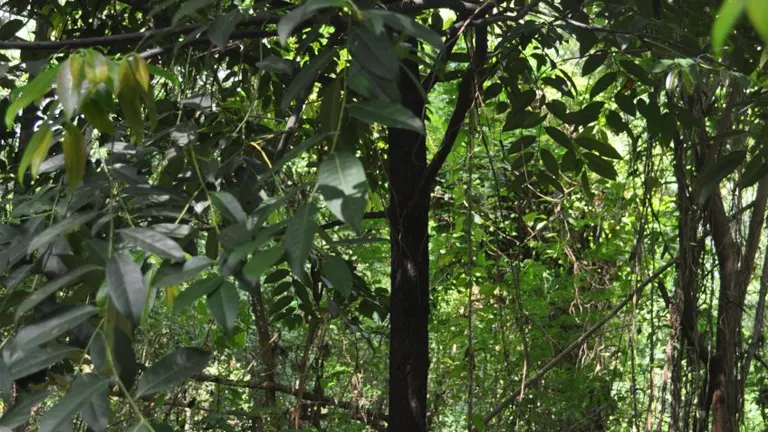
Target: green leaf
[
  {"x": 587, "y": 115},
  {"x": 522, "y": 143},
  {"x": 558, "y": 109},
  {"x": 27, "y": 362},
  {"x": 221, "y": 28},
  {"x": 374, "y": 52},
  {"x": 126, "y": 287},
  {"x": 68, "y": 224},
  {"x": 298, "y": 15},
  {"x": 261, "y": 261},
  {"x": 298, "y": 237},
  {"x": 176, "y": 274},
  {"x": 407, "y": 25},
  {"x": 636, "y": 70},
  {"x": 559, "y": 137},
  {"x": 306, "y": 76},
  {"x": 388, "y": 114},
  {"x": 95, "y": 412},
  {"x": 549, "y": 161},
  {"x": 154, "y": 242},
  {"x": 200, "y": 288},
  {"x": 97, "y": 115},
  {"x": 492, "y": 91},
  {"x": 711, "y": 177},
  {"x": 615, "y": 122},
  {"x": 51, "y": 287},
  {"x": 626, "y": 103},
  {"x": 276, "y": 276},
  {"x": 603, "y": 149},
  {"x": 593, "y": 62},
  {"x": 39, "y": 144},
  {"x": 757, "y": 11},
  {"x": 339, "y": 275},
  {"x": 71, "y": 86},
  {"x": 600, "y": 166},
  {"x": 6, "y": 383},
  {"x": 730, "y": 12},
  {"x": 280, "y": 304},
  {"x": 275, "y": 64},
  {"x": 130, "y": 101},
  {"x": 754, "y": 171},
  {"x": 189, "y": 7},
  {"x": 330, "y": 106},
  {"x": 602, "y": 84},
  {"x": 74, "y": 154},
  {"x": 83, "y": 389},
  {"x": 164, "y": 74},
  {"x": 172, "y": 369},
  {"x": 18, "y": 414},
  {"x": 10, "y": 28},
  {"x": 35, "y": 334},
  {"x": 224, "y": 304},
  {"x": 341, "y": 180},
  {"x": 228, "y": 205},
  {"x": 31, "y": 92}
]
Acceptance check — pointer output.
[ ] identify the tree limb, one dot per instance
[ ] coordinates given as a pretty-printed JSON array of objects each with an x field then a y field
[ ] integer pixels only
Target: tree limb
[
  {"x": 122, "y": 39},
  {"x": 466, "y": 96}
]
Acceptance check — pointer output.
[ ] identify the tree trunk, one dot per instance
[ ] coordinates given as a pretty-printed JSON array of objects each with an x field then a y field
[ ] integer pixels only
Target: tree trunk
[{"x": 409, "y": 277}]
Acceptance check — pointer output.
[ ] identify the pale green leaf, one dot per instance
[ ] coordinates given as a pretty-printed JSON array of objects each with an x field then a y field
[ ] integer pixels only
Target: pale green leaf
[{"x": 730, "y": 12}]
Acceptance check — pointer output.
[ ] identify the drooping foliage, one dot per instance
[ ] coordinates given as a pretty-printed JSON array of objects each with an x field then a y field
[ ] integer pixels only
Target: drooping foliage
[{"x": 361, "y": 215}]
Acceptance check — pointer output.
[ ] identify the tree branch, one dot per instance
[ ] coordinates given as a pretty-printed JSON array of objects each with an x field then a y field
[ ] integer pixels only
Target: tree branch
[
  {"x": 122, "y": 39},
  {"x": 466, "y": 97},
  {"x": 755, "y": 229}
]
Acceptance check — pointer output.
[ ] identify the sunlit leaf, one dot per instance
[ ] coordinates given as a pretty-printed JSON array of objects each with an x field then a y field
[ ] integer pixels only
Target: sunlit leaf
[
  {"x": 36, "y": 151},
  {"x": 31, "y": 92},
  {"x": 730, "y": 11},
  {"x": 74, "y": 154}
]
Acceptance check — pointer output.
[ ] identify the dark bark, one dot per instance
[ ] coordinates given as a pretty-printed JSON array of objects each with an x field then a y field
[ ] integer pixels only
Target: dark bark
[{"x": 409, "y": 277}]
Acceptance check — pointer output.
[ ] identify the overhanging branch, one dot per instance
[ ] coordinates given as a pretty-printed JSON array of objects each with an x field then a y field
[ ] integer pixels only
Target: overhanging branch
[{"x": 125, "y": 38}]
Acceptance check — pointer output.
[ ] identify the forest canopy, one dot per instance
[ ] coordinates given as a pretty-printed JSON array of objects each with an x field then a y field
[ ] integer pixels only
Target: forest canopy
[{"x": 354, "y": 215}]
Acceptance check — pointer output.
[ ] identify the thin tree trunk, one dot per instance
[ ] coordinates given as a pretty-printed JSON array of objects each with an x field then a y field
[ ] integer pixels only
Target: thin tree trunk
[{"x": 409, "y": 303}]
